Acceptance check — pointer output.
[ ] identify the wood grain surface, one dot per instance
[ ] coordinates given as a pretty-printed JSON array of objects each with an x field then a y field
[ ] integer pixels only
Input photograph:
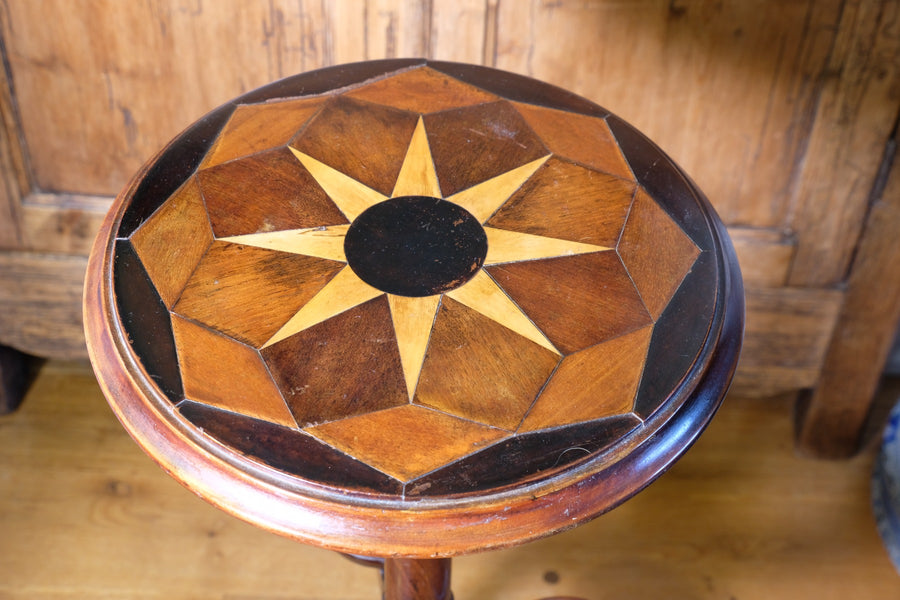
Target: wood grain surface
[
  {"x": 780, "y": 111},
  {"x": 337, "y": 360},
  {"x": 740, "y": 516}
]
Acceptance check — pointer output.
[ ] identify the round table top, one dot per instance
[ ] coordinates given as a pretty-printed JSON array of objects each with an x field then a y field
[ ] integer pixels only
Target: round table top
[{"x": 413, "y": 308}]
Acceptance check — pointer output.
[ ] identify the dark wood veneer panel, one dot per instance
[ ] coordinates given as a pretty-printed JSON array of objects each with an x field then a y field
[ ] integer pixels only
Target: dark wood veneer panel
[
  {"x": 269, "y": 191},
  {"x": 523, "y": 458},
  {"x": 288, "y": 450},
  {"x": 365, "y": 141},
  {"x": 146, "y": 321},
  {"x": 422, "y": 90},
  {"x": 577, "y": 301},
  {"x": 480, "y": 370},
  {"x": 473, "y": 144},
  {"x": 665, "y": 182},
  {"x": 565, "y": 201},
  {"x": 172, "y": 168},
  {"x": 678, "y": 335},
  {"x": 344, "y": 366},
  {"x": 248, "y": 292}
]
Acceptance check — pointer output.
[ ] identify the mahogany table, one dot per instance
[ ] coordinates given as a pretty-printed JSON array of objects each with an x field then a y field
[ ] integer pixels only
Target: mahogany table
[{"x": 410, "y": 309}]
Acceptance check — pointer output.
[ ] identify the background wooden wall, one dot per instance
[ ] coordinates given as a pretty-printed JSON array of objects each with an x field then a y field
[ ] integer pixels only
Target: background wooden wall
[{"x": 783, "y": 111}]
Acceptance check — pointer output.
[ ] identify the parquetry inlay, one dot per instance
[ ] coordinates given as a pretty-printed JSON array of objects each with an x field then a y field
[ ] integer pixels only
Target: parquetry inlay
[{"x": 551, "y": 191}]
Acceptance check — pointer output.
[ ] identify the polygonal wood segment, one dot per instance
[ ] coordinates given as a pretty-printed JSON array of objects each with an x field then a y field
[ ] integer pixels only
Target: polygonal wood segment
[
  {"x": 269, "y": 191},
  {"x": 517, "y": 460},
  {"x": 146, "y": 321},
  {"x": 289, "y": 450},
  {"x": 219, "y": 371},
  {"x": 518, "y": 87},
  {"x": 656, "y": 252},
  {"x": 422, "y": 90},
  {"x": 563, "y": 200},
  {"x": 570, "y": 397},
  {"x": 662, "y": 179},
  {"x": 341, "y": 367},
  {"x": 473, "y": 144},
  {"x": 364, "y": 141},
  {"x": 599, "y": 303},
  {"x": 407, "y": 441},
  {"x": 173, "y": 241},
  {"x": 480, "y": 370},
  {"x": 678, "y": 335},
  {"x": 579, "y": 138},
  {"x": 256, "y": 127},
  {"x": 249, "y": 293}
]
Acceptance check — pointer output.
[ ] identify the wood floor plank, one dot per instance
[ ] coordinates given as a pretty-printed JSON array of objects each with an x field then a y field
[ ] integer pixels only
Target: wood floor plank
[{"x": 84, "y": 514}]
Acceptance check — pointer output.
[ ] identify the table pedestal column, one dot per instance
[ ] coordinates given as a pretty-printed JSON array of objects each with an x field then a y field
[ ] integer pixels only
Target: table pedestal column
[{"x": 417, "y": 579}]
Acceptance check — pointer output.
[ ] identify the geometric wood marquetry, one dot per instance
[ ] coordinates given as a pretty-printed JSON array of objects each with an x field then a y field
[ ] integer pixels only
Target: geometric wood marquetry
[
  {"x": 249, "y": 293},
  {"x": 523, "y": 457},
  {"x": 422, "y": 91},
  {"x": 570, "y": 397},
  {"x": 467, "y": 346},
  {"x": 373, "y": 142},
  {"x": 589, "y": 318},
  {"x": 417, "y": 280},
  {"x": 678, "y": 335},
  {"x": 146, "y": 321},
  {"x": 222, "y": 372},
  {"x": 259, "y": 127},
  {"x": 590, "y": 207},
  {"x": 173, "y": 240},
  {"x": 429, "y": 439},
  {"x": 285, "y": 196},
  {"x": 579, "y": 138},
  {"x": 494, "y": 137},
  {"x": 290, "y": 450},
  {"x": 344, "y": 366},
  {"x": 656, "y": 275}
]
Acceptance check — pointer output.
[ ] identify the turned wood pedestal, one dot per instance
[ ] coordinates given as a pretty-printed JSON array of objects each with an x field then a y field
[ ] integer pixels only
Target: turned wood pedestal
[{"x": 409, "y": 310}]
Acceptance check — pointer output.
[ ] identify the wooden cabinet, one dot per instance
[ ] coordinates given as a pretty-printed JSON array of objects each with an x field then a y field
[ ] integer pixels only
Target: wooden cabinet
[{"x": 783, "y": 112}]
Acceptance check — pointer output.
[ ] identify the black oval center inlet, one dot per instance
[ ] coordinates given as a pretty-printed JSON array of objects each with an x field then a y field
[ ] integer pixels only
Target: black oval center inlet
[{"x": 415, "y": 246}]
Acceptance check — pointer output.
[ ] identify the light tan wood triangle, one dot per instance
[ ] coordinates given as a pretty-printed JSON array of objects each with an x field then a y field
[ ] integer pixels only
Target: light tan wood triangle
[
  {"x": 343, "y": 292},
  {"x": 417, "y": 175},
  {"x": 511, "y": 246},
  {"x": 413, "y": 319},
  {"x": 321, "y": 242},
  {"x": 350, "y": 196},
  {"x": 483, "y": 199},
  {"x": 482, "y": 294}
]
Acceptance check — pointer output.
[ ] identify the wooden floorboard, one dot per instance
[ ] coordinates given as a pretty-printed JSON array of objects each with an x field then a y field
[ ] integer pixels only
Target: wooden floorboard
[{"x": 85, "y": 515}]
